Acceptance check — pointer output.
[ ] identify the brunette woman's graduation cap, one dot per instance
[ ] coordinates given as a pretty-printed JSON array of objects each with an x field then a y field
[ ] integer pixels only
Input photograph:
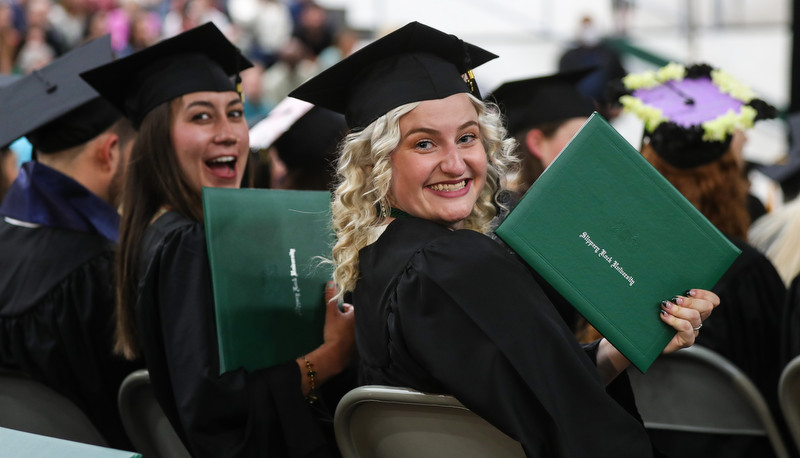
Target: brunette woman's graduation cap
[
  {"x": 53, "y": 107},
  {"x": 411, "y": 64},
  {"x": 535, "y": 101},
  {"x": 200, "y": 59}
]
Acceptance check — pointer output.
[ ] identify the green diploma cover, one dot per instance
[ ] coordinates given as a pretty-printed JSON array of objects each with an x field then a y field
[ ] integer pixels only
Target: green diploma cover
[{"x": 615, "y": 238}]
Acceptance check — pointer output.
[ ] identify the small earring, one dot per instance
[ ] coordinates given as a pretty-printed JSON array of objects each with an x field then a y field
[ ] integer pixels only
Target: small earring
[{"x": 384, "y": 210}]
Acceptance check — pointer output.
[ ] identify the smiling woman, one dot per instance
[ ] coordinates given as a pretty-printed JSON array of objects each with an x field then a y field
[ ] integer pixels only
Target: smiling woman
[
  {"x": 181, "y": 95},
  {"x": 440, "y": 163},
  {"x": 441, "y": 307},
  {"x": 211, "y": 138}
]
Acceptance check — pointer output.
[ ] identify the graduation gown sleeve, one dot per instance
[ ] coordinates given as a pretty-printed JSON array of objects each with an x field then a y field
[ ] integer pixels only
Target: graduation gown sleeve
[{"x": 239, "y": 413}]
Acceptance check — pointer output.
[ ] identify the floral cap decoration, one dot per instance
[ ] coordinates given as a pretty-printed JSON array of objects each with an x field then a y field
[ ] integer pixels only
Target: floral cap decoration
[{"x": 691, "y": 112}]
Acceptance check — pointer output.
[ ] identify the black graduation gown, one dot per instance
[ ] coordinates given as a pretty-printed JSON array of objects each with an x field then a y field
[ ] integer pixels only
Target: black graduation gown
[
  {"x": 745, "y": 329},
  {"x": 790, "y": 323},
  {"x": 56, "y": 318},
  {"x": 243, "y": 414},
  {"x": 453, "y": 312}
]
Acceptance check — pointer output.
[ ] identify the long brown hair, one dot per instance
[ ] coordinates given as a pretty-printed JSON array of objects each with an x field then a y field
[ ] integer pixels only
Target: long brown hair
[
  {"x": 718, "y": 189},
  {"x": 154, "y": 180}
]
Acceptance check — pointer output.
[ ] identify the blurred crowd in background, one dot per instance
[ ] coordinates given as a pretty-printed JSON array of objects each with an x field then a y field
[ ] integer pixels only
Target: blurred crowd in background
[{"x": 288, "y": 40}]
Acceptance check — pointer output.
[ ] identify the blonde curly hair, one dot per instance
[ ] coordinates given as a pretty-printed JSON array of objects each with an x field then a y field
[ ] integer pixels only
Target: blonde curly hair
[{"x": 365, "y": 174}]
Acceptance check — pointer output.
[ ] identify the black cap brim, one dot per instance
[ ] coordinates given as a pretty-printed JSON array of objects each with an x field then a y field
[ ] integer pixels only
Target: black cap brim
[{"x": 53, "y": 91}]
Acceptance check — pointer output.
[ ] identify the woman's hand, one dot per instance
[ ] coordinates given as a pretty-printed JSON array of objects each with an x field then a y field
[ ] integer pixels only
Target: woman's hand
[
  {"x": 338, "y": 349},
  {"x": 686, "y": 315},
  {"x": 339, "y": 328}
]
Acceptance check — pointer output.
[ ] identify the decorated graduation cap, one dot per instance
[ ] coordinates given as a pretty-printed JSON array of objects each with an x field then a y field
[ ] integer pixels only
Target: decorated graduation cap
[
  {"x": 411, "y": 64},
  {"x": 200, "y": 59},
  {"x": 53, "y": 107},
  {"x": 691, "y": 112},
  {"x": 534, "y": 101}
]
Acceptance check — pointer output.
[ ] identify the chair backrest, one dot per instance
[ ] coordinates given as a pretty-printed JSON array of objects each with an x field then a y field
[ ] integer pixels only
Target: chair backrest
[
  {"x": 145, "y": 422},
  {"x": 698, "y": 390},
  {"x": 387, "y": 422},
  {"x": 789, "y": 397},
  {"x": 30, "y": 406}
]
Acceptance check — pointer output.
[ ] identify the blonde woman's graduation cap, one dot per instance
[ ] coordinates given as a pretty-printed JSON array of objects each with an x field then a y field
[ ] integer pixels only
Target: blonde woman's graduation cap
[{"x": 412, "y": 64}]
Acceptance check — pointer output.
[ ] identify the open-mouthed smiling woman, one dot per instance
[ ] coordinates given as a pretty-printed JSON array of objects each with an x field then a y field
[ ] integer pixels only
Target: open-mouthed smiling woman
[
  {"x": 181, "y": 96},
  {"x": 441, "y": 307}
]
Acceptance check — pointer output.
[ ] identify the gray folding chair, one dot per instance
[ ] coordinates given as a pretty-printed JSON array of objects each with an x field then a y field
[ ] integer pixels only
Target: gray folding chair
[
  {"x": 145, "y": 422},
  {"x": 387, "y": 422},
  {"x": 698, "y": 390},
  {"x": 31, "y": 406},
  {"x": 789, "y": 397}
]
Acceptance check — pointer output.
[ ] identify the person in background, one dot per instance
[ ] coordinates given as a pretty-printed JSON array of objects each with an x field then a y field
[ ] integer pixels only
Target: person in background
[
  {"x": 300, "y": 142},
  {"x": 543, "y": 114},
  {"x": 313, "y": 28},
  {"x": 180, "y": 95},
  {"x": 589, "y": 50},
  {"x": 58, "y": 235},
  {"x": 8, "y": 170},
  {"x": 308, "y": 149},
  {"x": 442, "y": 308},
  {"x": 695, "y": 118},
  {"x": 8, "y": 159}
]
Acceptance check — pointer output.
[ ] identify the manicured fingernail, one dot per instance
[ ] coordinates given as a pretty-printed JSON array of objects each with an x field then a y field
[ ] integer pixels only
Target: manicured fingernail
[
  {"x": 678, "y": 300},
  {"x": 666, "y": 304},
  {"x": 689, "y": 292},
  {"x": 664, "y": 312}
]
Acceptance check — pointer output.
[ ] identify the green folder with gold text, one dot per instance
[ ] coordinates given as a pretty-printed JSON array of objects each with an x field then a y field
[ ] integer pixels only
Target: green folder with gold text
[
  {"x": 264, "y": 249},
  {"x": 615, "y": 238}
]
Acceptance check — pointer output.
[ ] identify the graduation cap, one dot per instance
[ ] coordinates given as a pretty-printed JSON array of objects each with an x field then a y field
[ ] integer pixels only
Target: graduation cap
[
  {"x": 200, "y": 59},
  {"x": 411, "y": 64},
  {"x": 531, "y": 102},
  {"x": 311, "y": 142},
  {"x": 53, "y": 107},
  {"x": 305, "y": 135},
  {"x": 691, "y": 112},
  {"x": 278, "y": 121}
]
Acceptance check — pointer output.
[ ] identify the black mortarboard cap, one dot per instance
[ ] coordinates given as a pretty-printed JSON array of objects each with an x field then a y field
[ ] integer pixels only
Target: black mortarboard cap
[
  {"x": 534, "y": 101},
  {"x": 411, "y": 64},
  {"x": 311, "y": 141},
  {"x": 53, "y": 106},
  {"x": 200, "y": 59}
]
